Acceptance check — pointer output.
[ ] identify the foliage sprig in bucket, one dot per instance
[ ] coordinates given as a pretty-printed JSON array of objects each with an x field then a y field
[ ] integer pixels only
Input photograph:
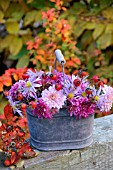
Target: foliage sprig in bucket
[{"x": 60, "y": 108}]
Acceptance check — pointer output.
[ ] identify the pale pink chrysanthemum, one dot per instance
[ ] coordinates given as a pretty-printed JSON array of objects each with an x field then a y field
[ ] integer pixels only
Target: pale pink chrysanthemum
[
  {"x": 53, "y": 98},
  {"x": 106, "y": 99},
  {"x": 108, "y": 90}
]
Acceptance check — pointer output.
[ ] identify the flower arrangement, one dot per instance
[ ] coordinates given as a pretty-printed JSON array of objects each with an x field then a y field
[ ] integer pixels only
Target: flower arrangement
[{"x": 45, "y": 93}]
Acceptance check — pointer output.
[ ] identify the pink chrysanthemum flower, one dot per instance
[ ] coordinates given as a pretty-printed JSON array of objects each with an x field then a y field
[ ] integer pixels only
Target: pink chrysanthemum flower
[
  {"x": 42, "y": 110},
  {"x": 53, "y": 98},
  {"x": 81, "y": 107}
]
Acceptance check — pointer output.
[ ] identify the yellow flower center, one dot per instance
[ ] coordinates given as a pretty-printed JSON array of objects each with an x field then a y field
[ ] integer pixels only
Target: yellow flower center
[
  {"x": 28, "y": 84},
  {"x": 96, "y": 98},
  {"x": 70, "y": 95},
  {"x": 52, "y": 97},
  {"x": 84, "y": 94}
]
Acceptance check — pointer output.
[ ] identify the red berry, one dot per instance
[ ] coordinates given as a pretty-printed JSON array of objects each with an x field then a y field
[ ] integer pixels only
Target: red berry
[
  {"x": 20, "y": 134},
  {"x": 77, "y": 82},
  {"x": 20, "y": 96},
  {"x": 58, "y": 87},
  {"x": 23, "y": 106},
  {"x": 17, "y": 145},
  {"x": 88, "y": 91},
  {"x": 84, "y": 73},
  {"x": 33, "y": 104},
  {"x": 100, "y": 83},
  {"x": 25, "y": 76},
  {"x": 95, "y": 78},
  {"x": 7, "y": 162},
  {"x": 53, "y": 77},
  {"x": 30, "y": 149}
]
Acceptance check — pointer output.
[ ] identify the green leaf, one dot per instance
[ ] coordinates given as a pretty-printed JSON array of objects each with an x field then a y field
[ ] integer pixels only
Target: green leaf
[
  {"x": 15, "y": 45},
  {"x": 99, "y": 29},
  {"x": 30, "y": 17},
  {"x": 90, "y": 25},
  {"x": 38, "y": 16},
  {"x": 23, "y": 62},
  {"x": 64, "y": 46},
  {"x": 38, "y": 4},
  {"x": 77, "y": 8},
  {"x": 12, "y": 27},
  {"x": 4, "y": 4},
  {"x": 79, "y": 28},
  {"x": 4, "y": 43},
  {"x": 21, "y": 53},
  {"x": 86, "y": 39},
  {"x": 109, "y": 28},
  {"x": 13, "y": 7},
  {"x": 91, "y": 47},
  {"x": 108, "y": 13},
  {"x": 90, "y": 64},
  {"x": 105, "y": 3},
  {"x": 17, "y": 15},
  {"x": 1, "y": 16},
  {"x": 105, "y": 40}
]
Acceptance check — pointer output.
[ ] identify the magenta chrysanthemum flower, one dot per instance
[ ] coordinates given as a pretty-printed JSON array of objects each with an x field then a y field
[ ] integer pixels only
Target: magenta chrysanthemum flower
[
  {"x": 53, "y": 98},
  {"x": 81, "y": 107},
  {"x": 42, "y": 110}
]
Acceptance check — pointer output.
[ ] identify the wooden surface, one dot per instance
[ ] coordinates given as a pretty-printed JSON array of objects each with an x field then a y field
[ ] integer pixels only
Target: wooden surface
[{"x": 98, "y": 156}]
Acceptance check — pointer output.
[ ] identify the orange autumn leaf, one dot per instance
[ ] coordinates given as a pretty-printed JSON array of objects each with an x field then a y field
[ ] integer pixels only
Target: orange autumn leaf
[
  {"x": 39, "y": 57},
  {"x": 47, "y": 30},
  {"x": 15, "y": 76},
  {"x": 41, "y": 52},
  {"x": 13, "y": 157},
  {"x": 70, "y": 63},
  {"x": 1, "y": 86},
  {"x": 7, "y": 81},
  {"x": 77, "y": 60}
]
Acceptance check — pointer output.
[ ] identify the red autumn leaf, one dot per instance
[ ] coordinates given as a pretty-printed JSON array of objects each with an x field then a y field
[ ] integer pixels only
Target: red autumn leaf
[
  {"x": 13, "y": 157},
  {"x": 18, "y": 158},
  {"x": 8, "y": 112},
  {"x": 22, "y": 122}
]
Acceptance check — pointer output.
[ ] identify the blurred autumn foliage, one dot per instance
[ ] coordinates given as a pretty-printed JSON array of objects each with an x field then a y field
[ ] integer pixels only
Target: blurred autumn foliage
[{"x": 82, "y": 29}]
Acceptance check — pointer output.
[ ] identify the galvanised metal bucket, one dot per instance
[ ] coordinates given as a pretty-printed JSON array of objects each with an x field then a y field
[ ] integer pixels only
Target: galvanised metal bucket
[{"x": 61, "y": 132}]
